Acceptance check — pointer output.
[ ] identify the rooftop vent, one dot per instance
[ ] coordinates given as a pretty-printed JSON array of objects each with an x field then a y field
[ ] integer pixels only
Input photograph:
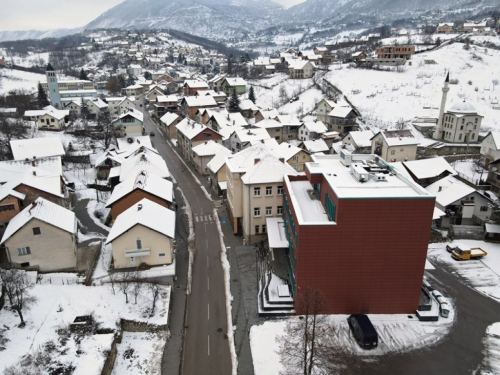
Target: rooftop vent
[
  {"x": 139, "y": 207},
  {"x": 313, "y": 195}
]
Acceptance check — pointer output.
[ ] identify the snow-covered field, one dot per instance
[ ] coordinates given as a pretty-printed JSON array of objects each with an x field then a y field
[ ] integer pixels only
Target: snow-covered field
[
  {"x": 397, "y": 333},
  {"x": 140, "y": 353},
  {"x": 482, "y": 275},
  {"x": 16, "y": 79},
  {"x": 470, "y": 169},
  {"x": 403, "y": 95},
  {"x": 492, "y": 350},
  {"x": 59, "y": 305}
]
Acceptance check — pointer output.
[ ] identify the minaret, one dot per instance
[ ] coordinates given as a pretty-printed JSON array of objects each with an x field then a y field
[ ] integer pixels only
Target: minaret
[
  {"x": 55, "y": 100},
  {"x": 439, "y": 125}
]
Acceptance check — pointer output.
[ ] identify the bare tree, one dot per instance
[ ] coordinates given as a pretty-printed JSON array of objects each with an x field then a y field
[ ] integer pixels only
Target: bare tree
[
  {"x": 154, "y": 289},
  {"x": 18, "y": 286},
  {"x": 112, "y": 280},
  {"x": 299, "y": 345},
  {"x": 400, "y": 124},
  {"x": 125, "y": 284},
  {"x": 137, "y": 285},
  {"x": 11, "y": 128}
]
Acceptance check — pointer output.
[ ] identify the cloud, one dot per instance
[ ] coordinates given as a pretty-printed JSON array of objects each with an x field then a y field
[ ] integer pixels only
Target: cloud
[{"x": 51, "y": 14}]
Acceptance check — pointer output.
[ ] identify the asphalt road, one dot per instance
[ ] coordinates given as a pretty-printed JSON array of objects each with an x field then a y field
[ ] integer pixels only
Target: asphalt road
[{"x": 206, "y": 348}]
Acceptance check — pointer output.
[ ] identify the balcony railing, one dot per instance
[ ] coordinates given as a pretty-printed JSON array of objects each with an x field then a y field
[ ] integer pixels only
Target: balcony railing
[{"x": 137, "y": 253}]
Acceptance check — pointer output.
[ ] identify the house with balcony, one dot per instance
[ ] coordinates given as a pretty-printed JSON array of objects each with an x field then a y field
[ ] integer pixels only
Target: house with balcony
[
  {"x": 191, "y": 87},
  {"x": 462, "y": 204},
  {"x": 356, "y": 207},
  {"x": 143, "y": 234},
  {"x": 228, "y": 85},
  {"x": 166, "y": 103},
  {"x": 342, "y": 119},
  {"x": 241, "y": 138},
  {"x": 191, "y": 105},
  {"x": 293, "y": 155},
  {"x": 133, "y": 90},
  {"x": 203, "y": 154},
  {"x": 136, "y": 187},
  {"x": 169, "y": 120},
  {"x": 445, "y": 28},
  {"x": 395, "y": 145},
  {"x": 291, "y": 125},
  {"x": 360, "y": 140},
  {"x": 300, "y": 69},
  {"x": 119, "y": 105},
  {"x": 255, "y": 190},
  {"x": 311, "y": 130},
  {"x": 324, "y": 107},
  {"x": 129, "y": 124},
  {"x": 274, "y": 128}
]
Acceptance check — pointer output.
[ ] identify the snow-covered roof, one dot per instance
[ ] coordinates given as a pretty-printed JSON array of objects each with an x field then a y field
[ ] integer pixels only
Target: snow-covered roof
[
  {"x": 145, "y": 181},
  {"x": 448, "y": 190},
  {"x": 112, "y": 155},
  {"x": 36, "y": 147},
  {"x": 316, "y": 127},
  {"x": 287, "y": 151},
  {"x": 218, "y": 160},
  {"x": 190, "y": 128},
  {"x": 200, "y": 101},
  {"x": 496, "y": 138},
  {"x": 398, "y": 137},
  {"x": 244, "y": 159},
  {"x": 167, "y": 98},
  {"x": 316, "y": 145},
  {"x": 269, "y": 113},
  {"x": 492, "y": 228},
  {"x": 143, "y": 161},
  {"x": 138, "y": 115},
  {"x": 236, "y": 81},
  {"x": 270, "y": 143},
  {"x": 133, "y": 87},
  {"x": 229, "y": 119},
  {"x": 340, "y": 111},
  {"x": 255, "y": 134},
  {"x": 299, "y": 64},
  {"x": 45, "y": 211},
  {"x": 268, "y": 123},
  {"x": 437, "y": 214},
  {"x": 462, "y": 107},
  {"x": 127, "y": 144},
  {"x": 276, "y": 233},
  {"x": 209, "y": 148},
  {"x": 168, "y": 118},
  {"x": 195, "y": 83},
  {"x": 362, "y": 138},
  {"x": 428, "y": 168},
  {"x": 248, "y": 105},
  {"x": 99, "y": 103},
  {"x": 289, "y": 120},
  {"x": 146, "y": 213},
  {"x": 446, "y": 24},
  {"x": 44, "y": 167},
  {"x": 268, "y": 169}
]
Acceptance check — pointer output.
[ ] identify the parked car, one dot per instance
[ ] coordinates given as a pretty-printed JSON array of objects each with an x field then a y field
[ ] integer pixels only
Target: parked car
[
  {"x": 294, "y": 99},
  {"x": 152, "y": 134},
  {"x": 363, "y": 331},
  {"x": 456, "y": 245}
]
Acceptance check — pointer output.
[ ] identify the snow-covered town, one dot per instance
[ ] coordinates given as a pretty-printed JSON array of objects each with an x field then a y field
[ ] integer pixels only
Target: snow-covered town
[{"x": 295, "y": 199}]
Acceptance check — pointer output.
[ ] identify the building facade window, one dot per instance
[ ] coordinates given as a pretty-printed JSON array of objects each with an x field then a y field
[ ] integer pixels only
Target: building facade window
[
  {"x": 279, "y": 210},
  {"x": 257, "y": 229},
  {"x": 256, "y": 211},
  {"x": 280, "y": 190},
  {"x": 264, "y": 229},
  {"x": 483, "y": 208},
  {"x": 24, "y": 250},
  {"x": 139, "y": 244},
  {"x": 256, "y": 191},
  {"x": 269, "y": 211},
  {"x": 37, "y": 231},
  {"x": 269, "y": 190}
]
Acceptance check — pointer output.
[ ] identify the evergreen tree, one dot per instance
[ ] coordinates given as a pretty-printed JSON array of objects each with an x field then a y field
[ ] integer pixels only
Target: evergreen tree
[
  {"x": 203, "y": 70},
  {"x": 130, "y": 81},
  {"x": 148, "y": 75},
  {"x": 180, "y": 58},
  {"x": 122, "y": 81},
  {"x": 247, "y": 57},
  {"x": 42, "y": 99},
  {"x": 234, "y": 102},
  {"x": 83, "y": 75},
  {"x": 251, "y": 94},
  {"x": 84, "y": 111}
]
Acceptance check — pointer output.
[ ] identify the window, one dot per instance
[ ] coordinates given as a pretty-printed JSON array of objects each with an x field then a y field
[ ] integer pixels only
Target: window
[
  {"x": 280, "y": 210},
  {"x": 24, "y": 250},
  {"x": 42, "y": 120},
  {"x": 51, "y": 120},
  {"x": 460, "y": 136},
  {"x": 473, "y": 135},
  {"x": 269, "y": 190},
  {"x": 401, "y": 149},
  {"x": 475, "y": 121},
  {"x": 280, "y": 190},
  {"x": 330, "y": 207},
  {"x": 7, "y": 207},
  {"x": 277, "y": 130},
  {"x": 139, "y": 244},
  {"x": 256, "y": 191},
  {"x": 475, "y": 127},
  {"x": 36, "y": 231},
  {"x": 162, "y": 255},
  {"x": 269, "y": 211},
  {"x": 463, "y": 121},
  {"x": 483, "y": 208},
  {"x": 264, "y": 229},
  {"x": 256, "y": 229},
  {"x": 256, "y": 211},
  {"x": 304, "y": 156},
  {"x": 462, "y": 127},
  {"x": 393, "y": 152}
]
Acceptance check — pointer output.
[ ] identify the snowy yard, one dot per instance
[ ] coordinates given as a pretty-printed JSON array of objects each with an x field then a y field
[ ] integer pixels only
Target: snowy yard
[
  {"x": 482, "y": 275},
  {"x": 397, "y": 333},
  {"x": 403, "y": 95},
  {"x": 470, "y": 170},
  {"x": 57, "y": 306},
  {"x": 140, "y": 353},
  {"x": 492, "y": 350}
]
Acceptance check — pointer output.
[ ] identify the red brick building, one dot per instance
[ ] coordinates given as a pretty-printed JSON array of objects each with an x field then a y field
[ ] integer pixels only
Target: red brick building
[{"x": 358, "y": 231}]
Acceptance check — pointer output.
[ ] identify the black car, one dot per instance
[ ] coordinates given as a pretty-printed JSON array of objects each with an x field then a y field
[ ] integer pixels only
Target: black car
[
  {"x": 363, "y": 331},
  {"x": 152, "y": 134}
]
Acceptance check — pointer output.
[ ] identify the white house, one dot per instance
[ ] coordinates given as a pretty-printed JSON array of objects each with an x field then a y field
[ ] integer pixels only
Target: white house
[{"x": 490, "y": 147}]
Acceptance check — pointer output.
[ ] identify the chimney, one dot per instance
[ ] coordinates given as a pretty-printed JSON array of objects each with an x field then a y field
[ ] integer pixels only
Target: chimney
[
  {"x": 440, "y": 188},
  {"x": 256, "y": 161},
  {"x": 34, "y": 173},
  {"x": 33, "y": 162},
  {"x": 139, "y": 207}
]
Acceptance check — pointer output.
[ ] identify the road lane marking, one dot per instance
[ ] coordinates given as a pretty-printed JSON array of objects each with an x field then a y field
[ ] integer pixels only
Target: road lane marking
[
  {"x": 206, "y": 241},
  {"x": 207, "y": 262},
  {"x": 208, "y": 310},
  {"x": 208, "y": 284},
  {"x": 208, "y": 344}
]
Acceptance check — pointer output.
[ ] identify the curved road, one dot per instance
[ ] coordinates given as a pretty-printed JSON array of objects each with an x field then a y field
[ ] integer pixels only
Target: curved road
[{"x": 206, "y": 348}]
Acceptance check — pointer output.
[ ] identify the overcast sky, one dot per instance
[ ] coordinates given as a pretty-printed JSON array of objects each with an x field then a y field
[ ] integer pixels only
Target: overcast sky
[{"x": 59, "y": 14}]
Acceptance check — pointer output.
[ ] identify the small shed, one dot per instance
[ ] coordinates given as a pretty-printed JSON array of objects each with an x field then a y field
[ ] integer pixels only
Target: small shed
[{"x": 492, "y": 232}]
